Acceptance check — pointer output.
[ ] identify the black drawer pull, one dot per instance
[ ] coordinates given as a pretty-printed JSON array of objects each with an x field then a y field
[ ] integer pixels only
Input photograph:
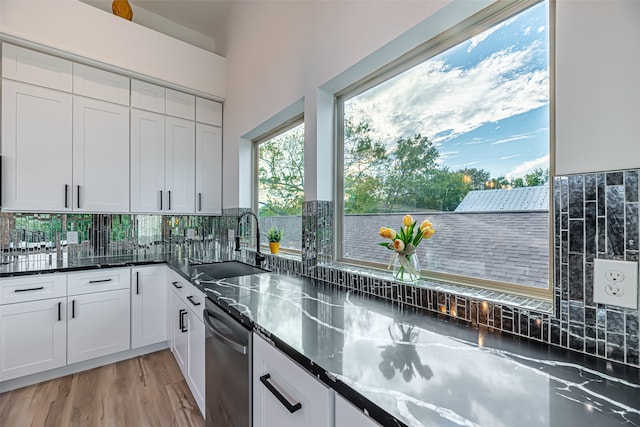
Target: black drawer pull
[
  {"x": 100, "y": 281},
  {"x": 190, "y": 298},
  {"x": 291, "y": 408},
  {"x": 78, "y": 197},
  {"x": 169, "y": 208},
  {"x": 29, "y": 289},
  {"x": 183, "y": 327},
  {"x": 66, "y": 195},
  {"x": 59, "y": 311},
  {"x": 160, "y": 199},
  {"x": 175, "y": 284},
  {"x": 73, "y": 309},
  {"x": 137, "y": 283}
]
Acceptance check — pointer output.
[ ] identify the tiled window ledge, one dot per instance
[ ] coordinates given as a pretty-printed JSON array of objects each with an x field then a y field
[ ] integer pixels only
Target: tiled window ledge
[{"x": 505, "y": 298}]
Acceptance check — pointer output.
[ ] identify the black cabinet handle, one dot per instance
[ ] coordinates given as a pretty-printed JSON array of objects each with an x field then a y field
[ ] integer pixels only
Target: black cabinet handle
[
  {"x": 169, "y": 207},
  {"x": 291, "y": 408},
  {"x": 59, "y": 311},
  {"x": 29, "y": 289},
  {"x": 78, "y": 197},
  {"x": 199, "y": 202},
  {"x": 137, "y": 283},
  {"x": 175, "y": 285},
  {"x": 100, "y": 281},
  {"x": 160, "y": 199},
  {"x": 73, "y": 309},
  {"x": 183, "y": 328},
  {"x": 190, "y": 298},
  {"x": 66, "y": 195}
]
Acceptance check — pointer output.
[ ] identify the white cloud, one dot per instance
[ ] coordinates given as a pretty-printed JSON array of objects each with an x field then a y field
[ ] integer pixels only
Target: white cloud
[
  {"x": 527, "y": 31},
  {"x": 513, "y": 138},
  {"x": 436, "y": 99},
  {"x": 527, "y": 167},
  {"x": 509, "y": 157},
  {"x": 541, "y": 29}
]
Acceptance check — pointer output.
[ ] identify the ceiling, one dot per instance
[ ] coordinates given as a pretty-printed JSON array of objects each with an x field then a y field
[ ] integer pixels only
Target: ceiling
[{"x": 202, "y": 23}]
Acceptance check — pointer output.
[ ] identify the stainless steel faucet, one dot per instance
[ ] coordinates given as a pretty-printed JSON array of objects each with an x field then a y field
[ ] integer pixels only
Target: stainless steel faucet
[{"x": 259, "y": 256}]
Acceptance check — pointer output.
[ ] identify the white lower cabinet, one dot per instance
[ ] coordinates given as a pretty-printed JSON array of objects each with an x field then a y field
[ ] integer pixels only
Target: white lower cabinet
[
  {"x": 348, "y": 415},
  {"x": 148, "y": 305},
  {"x": 195, "y": 355},
  {"x": 33, "y": 337},
  {"x": 185, "y": 329},
  {"x": 98, "y": 324},
  {"x": 284, "y": 394}
]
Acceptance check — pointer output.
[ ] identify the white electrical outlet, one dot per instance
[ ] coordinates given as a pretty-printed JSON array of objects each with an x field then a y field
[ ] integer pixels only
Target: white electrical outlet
[
  {"x": 231, "y": 234},
  {"x": 615, "y": 282},
  {"x": 72, "y": 237},
  {"x": 191, "y": 233}
]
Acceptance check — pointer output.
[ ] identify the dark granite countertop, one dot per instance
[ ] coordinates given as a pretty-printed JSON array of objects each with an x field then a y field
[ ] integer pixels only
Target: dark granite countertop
[{"x": 413, "y": 368}]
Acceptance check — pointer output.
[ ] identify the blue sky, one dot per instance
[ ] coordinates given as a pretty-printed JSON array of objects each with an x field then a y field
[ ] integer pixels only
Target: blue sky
[{"x": 484, "y": 102}]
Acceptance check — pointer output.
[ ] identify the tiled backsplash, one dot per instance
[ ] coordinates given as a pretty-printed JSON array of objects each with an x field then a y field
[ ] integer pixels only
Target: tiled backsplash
[{"x": 594, "y": 216}]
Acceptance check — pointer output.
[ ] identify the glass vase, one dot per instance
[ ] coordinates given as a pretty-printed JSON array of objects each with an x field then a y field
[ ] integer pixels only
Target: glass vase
[{"x": 406, "y": 268}]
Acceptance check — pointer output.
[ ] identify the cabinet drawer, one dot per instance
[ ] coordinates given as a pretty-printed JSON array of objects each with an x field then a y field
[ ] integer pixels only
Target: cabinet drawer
[
  {"x": 33, "y": 288},
  {"x": 100, "y": 84},
  {"x": 98, "y": 281},
  {"x": 180, "y": 104},
  {"x": 29, "y": 66},
  {"x": 179, "y": 284},
  {"x": 195, "y": 301},
  {"x": 147, "y": 96},
  {"x": 209, "y": 112}
]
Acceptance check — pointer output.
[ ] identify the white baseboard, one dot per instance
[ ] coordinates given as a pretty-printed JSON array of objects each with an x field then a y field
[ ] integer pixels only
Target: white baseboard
[{"x": 79, "y": 367}]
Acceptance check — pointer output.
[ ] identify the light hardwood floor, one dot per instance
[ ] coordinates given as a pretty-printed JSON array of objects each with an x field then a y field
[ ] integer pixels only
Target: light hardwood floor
[{"x": 145, "y": 391}]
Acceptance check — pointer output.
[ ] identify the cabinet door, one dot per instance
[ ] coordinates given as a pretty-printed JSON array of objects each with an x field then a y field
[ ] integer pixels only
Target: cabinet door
[
  {"x": 36, "y": 148},
  {"x": 209, "y": 112},
  {"x": 98, "y": 324},
  {"x": 33, "y": 337},
  {"x": 180, "y": 104},
  {"x": 293, "y": 384},
  {"x": 100, "y": 156},
  {"x": 180, "y": 150},
  {"x": 195, "y": 364},
  {"x": 148, "y": 306},
  {"x": 208, "y": 169},
  {"x": 179, "y": 330},
  {"x": 29, "y": 66},
  {"x": 147, "y": 96},
  {"x": 100, "y": 84},
  {"x": 348, "y": 415},
  {"x": 147, "y": 161}
]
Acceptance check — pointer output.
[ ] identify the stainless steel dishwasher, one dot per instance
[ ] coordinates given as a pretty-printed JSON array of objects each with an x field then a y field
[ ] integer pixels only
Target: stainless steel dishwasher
[{"x": 228, "y": 370}]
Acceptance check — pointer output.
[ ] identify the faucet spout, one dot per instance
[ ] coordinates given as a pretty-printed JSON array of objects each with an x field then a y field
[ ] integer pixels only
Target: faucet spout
[{"x": 259, "y": 255}]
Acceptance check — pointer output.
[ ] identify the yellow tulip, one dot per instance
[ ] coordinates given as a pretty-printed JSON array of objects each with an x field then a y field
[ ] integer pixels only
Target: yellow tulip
[
  {"x": 425, "y": 224},
  {"x": 427, "y": 233},
  {"x": 387, "y": 233},
  {"x": 407, "y": 220},
  {"x": 398, "y": 245}
]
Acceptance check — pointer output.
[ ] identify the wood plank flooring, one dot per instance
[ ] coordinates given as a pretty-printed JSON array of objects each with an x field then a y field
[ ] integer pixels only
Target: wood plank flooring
[{"x": 144, "y": 391}]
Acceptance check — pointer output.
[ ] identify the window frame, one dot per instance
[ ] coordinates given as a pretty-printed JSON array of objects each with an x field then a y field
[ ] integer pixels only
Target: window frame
[
  {"x": 463, "y": 31},
  {"x": 255, "y": 162}
]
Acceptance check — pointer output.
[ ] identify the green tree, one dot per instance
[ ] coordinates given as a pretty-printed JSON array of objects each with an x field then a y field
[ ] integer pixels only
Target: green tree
[
  {"x": 539, "y": 176},
  {"x": 365, "y": 161},
  {"x": 281, "y": 174}
]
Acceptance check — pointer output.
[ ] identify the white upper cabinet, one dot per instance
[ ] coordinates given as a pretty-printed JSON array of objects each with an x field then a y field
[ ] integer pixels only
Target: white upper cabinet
[
  {"x": 36, "y": 68},
  {"x": 36, "y": 148},
  {"x": 147, "y": 161},
  {"x": 208, "y": 169},
  {"x": 209, "y": 112},
  {"x": 100, "y": 84},
  {"x": 180, "y": 147},
  {"x": 180, "y": 104},
  {"x": 147, "y": 96},
  {"x": 100, "y": 156}
]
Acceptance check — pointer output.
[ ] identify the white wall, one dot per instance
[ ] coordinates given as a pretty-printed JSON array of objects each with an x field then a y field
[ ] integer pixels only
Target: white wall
[
  {"x": 80, "y": 29},
  {"x": 597, "y": 85}
]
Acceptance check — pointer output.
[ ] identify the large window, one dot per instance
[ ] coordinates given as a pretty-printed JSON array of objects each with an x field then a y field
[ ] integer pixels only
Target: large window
[
  {"x": 458, "y": 134},
  {"x": 280, "y": 182}
]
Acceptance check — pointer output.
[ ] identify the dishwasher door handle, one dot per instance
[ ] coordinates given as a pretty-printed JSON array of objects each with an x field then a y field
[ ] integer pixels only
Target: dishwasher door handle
[{"x": 235, "y": 346}]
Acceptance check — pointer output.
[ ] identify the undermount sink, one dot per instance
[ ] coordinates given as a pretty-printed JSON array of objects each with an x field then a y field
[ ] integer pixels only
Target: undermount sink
[{"x": 227, "y": 269}]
